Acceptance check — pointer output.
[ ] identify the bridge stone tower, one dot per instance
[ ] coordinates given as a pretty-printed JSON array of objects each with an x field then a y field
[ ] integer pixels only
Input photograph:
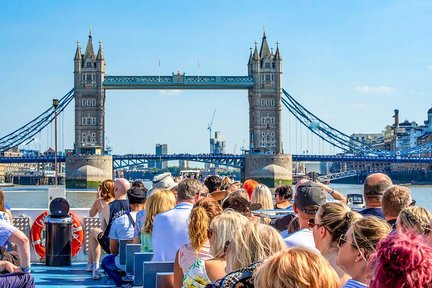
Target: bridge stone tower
[
  {"x": 265, "y": 118},
  {"x": 88, "y": 166}
]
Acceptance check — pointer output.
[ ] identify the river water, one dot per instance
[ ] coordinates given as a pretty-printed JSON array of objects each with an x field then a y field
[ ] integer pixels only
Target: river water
[{"x": 37, "y": 196}]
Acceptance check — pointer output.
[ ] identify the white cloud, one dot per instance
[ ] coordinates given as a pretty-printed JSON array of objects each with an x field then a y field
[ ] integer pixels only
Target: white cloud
[
  {"x": 375, "y": 89},
  {"x": 169, "y": 92}
]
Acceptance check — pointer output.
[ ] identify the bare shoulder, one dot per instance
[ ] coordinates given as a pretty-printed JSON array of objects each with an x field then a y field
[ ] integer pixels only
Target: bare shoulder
[{"x": 215, "y": 268}]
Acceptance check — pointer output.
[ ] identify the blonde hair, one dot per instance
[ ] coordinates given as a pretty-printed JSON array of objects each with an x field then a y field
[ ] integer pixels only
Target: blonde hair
[
  {"x": 262, "y": 194},
  {"x": 252, "y": 242},
  {"x": 416, "y": 218},
  {"x": 159, "y": 201},
  {"x": 199, "y": 221},
  {"x": 368, "y": 231},
  {"x": 222, "y": 227},
  {"x": 337, "y": 218},
  {"x": 296, "y": 267},
  {"x": 395, "y": 198}
]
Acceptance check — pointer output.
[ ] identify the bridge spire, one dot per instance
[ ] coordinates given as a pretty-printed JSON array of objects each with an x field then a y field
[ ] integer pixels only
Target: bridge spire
[
  {"x": 100, "y": 54},
  {"x": 277, "y": 54},
  {"x": 264, "y": 51},
  {"x": 78, "y": 55},
  {"x": 255, "y": 54},
  {"x": 89, "y": 52},
  {"x": 250, "y": 56}
]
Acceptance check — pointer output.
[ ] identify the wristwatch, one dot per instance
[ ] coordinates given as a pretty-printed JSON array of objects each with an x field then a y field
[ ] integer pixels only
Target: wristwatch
[{"x": 331, "y": 191}]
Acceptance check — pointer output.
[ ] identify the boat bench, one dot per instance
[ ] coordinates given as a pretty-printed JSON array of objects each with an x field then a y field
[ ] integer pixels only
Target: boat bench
[
  {"x": 89, "y": 222},
  {"x": 139, "y": 259},
  {"x": 150, "y": 270},
  {"x": 165, "y": 280},
  {"x": 131, "y": 249}
]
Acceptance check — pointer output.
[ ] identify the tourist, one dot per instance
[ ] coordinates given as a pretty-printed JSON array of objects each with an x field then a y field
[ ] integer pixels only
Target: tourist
[
  {"x": 394, "y": 199},
  {"x": 402, "y": 260},
  {"x": 356, "y": 247},
  {"x": 5, "y": 213},
  {"x": 202, "y": 214},
  {"x": 213, "y": 184},
  {"x": 240, "y": 204},
  {"x": 413, "y": 218},
  {"x": 296, "y": 267},
  {"x": 204, "y": 272},
  {"x": 262, "y": 195},
  {"x": 250, "y": 246},
  {"x": 374, "y": 187},
  {"x": 170, "y": 228},
  {"x": 309, "y": 197},
  {"x": 163, "y": 181},
  {"x": 16, "y": 276},
  {"x": 98, "y": 238},
  {"x": 158, "y": 202},
  {"x": 249, "y": 185},
  {"x": 332, "y": 220},
  {"x": 283, "y": 196},
  {"x": 122, "y": 229},
  {"x": 105, "y": 195}
]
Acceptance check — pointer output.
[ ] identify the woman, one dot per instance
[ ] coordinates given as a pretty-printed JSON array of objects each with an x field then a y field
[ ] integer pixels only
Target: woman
[
  {"x": 332, "y": 220},
  {"x": 251, "y": 245},
  {"x": 5, "y": 213},
  {"x": 296, "y": 267},
  {"x": 104, "y": 196},
  {"x": 202, "y": 214},
  {"x": 402, "y": 260},
  {"x": 283, "y": 196},
  {"x": 262, "y": 195},
  {"x": 204, "y": 272},
  {"x": 356, "y": 247},
  {"x": 158, "y": 202},
  {"x": 413, "y": 218}
]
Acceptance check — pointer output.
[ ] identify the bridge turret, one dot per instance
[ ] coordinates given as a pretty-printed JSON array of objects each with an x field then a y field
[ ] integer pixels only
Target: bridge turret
[
  {"x": 89, "y": 52},
  {"x": 77, "y": 65}
]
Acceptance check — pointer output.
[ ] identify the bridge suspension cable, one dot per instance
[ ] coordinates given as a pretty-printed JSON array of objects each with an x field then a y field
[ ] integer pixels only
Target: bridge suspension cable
[
  {"x": 325, "y": 131},
  {"x": 26, "y": 132}
]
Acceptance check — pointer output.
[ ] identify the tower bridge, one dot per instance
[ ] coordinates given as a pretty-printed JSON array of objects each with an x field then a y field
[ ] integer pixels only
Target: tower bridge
[{"x": 89, "y": 163}]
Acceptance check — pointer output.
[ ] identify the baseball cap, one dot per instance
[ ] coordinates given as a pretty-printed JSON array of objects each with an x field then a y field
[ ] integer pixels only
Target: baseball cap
[
  {"x": 310, "y": 195},
  {"x": 136, "y": 195}
]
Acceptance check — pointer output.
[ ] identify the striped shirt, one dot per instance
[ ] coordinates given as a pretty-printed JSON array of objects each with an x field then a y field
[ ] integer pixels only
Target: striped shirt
[{"x": 354, "y": 284}]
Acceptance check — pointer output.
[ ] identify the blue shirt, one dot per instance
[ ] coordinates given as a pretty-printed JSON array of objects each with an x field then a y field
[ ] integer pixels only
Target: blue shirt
[
  {"x": 372, "y": 212},
  {"x": 6, "y": 231},
  {"x": 354, "y": 284}
]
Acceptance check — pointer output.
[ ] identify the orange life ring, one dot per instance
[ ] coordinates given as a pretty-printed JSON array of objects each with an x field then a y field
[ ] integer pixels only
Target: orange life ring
[{"x": 39, "y": 225}]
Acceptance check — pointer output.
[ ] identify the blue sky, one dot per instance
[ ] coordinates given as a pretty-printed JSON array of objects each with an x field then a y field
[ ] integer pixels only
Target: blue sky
[{"x": 349, "y": 62}]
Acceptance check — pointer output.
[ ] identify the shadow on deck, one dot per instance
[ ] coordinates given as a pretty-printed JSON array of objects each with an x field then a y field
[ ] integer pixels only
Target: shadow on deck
[{"x": 71, "y": 276}]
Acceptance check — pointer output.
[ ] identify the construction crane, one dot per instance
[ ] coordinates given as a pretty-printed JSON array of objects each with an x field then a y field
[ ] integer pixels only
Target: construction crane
[{"x": 209, "y": 127}]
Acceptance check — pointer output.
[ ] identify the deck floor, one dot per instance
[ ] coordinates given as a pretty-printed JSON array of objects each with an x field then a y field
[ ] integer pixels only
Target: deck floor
[{"x": 71, "y": 276}]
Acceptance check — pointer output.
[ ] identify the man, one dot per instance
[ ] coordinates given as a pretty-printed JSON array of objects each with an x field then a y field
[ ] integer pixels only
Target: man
[
  {"x": 213, "y": 184},
  {"x": 373, "y": 189},
  {"x": 310, "y": 195},
  {"x": 163, "y": 181},
  {"x": 170, "y": 227},
  {"x": 99, "y": 238},
  {"x": 395, "y": 198},
  {"x": 123, "y": 229},
  {"x": 17, "y": 276}
]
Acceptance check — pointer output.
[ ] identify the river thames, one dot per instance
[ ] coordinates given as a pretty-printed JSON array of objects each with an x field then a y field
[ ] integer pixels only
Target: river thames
[{"x": 37, "y": 196}]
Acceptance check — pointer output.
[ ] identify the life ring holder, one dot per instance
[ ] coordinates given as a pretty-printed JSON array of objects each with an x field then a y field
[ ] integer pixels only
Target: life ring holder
[{"x": 38, "y": 241}]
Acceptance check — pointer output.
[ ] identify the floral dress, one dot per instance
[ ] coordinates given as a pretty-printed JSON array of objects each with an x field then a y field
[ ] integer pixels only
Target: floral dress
[{"x": 196, "y": 276}]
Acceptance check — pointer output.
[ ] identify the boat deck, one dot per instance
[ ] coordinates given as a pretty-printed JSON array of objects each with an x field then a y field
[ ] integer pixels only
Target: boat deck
[{"x": 71, "y": 276}]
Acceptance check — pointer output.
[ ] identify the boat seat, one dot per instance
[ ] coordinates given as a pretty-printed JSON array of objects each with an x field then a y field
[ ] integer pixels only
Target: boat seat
[
  {"x": 165, "y": 280},
  {"x": 131, "y": 249},
  {"x": 139, "y": 260},
  {"x": 122, "y": 251},
  {"x": 89, "y": 222},
  {"x": 150, "y": 269},
  {"x": 22, "y": 223}
]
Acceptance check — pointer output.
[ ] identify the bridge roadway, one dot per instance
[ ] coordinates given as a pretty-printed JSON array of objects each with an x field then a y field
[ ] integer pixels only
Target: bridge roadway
[{"x": 232, "y": 160}]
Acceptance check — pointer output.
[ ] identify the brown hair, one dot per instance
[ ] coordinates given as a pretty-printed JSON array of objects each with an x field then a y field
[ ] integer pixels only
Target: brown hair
[
  {"x": 201, "y": 215},
  {"x": 395, "y": 198},
  {"x": 2, "y": 201},
  {"x": 296, "y": 267},
  {"x": 368, "y": 231},
  {"x": 106, "y": 190},
  {"x": 415, "y": 218}
]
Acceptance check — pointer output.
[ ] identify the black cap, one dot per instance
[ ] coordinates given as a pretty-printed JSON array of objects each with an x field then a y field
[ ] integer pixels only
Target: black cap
[{"x": 137, "y": 195}]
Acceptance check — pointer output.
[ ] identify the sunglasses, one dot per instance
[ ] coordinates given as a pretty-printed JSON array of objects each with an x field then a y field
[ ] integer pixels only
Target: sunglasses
[
  {"x": 427, "y": 230},
  {"x": 227, "y": 243},
  {"x": 343, "y": 239},
  {"x": 413, "y": 203},
  {"x": 311, "y": 223}
]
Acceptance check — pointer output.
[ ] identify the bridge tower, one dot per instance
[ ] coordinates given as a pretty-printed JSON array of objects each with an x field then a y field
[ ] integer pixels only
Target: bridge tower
[
  {"x": 265, "y": 117},
  {"x": 88, "y": 166}
]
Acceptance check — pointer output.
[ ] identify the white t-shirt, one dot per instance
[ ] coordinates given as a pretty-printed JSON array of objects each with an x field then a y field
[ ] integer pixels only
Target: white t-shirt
[
  {"x": 301, "y": 238},
  {"x": 122, "y": 228}
]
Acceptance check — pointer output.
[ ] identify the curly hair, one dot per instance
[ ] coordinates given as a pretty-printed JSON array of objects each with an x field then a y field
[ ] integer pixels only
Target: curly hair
[
  {"x": 296, "y": 267},
  {"x": 402, "y": 260},
  {"x": 337, "y": 217},
  {"x": 159, "y": 201},
  {"x": 416, "y": 218},
  {"x": 199, "y": 221}
]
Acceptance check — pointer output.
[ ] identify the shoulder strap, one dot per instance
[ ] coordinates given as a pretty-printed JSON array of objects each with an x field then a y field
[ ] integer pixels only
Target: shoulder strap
[{"x": 131, "y": 219}]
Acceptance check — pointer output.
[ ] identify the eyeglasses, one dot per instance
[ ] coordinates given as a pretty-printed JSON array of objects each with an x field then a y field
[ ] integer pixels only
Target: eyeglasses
[
  {"x": 343, "y": 239},
  {"x": 413, "y": 203},
  {"x": 209, "y": 233},
  {"x": 311, "y": 223},
  {"x": 227, "y": 243}
]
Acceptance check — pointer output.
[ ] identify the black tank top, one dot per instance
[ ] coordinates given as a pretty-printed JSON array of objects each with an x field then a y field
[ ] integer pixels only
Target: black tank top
[{"x": 117, "y": 209}]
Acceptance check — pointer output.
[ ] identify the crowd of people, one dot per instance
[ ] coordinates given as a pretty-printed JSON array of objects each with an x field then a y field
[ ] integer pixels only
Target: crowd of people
[{"x": 216, "y": 238}]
